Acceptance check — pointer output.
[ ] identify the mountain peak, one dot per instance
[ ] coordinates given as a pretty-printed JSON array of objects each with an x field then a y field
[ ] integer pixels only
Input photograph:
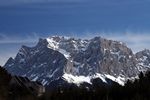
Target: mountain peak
[
  {"x": 56, "y": 56},
  {"x": 146, "y": 51}
]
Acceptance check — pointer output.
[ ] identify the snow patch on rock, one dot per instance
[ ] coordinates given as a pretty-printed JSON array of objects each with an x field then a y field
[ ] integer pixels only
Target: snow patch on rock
[
  {"x": 81, "y": 79},
  {"x": 76, "y": 79}
]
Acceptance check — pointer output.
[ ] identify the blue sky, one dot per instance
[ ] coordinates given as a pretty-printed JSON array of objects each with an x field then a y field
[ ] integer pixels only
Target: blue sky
[{"x": 24, "y": 21}]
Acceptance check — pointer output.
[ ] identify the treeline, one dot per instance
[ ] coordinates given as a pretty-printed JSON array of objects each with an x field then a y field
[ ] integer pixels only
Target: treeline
[
  {"x": 137, "y": 90},
  {"x": 15, "y": 91}
]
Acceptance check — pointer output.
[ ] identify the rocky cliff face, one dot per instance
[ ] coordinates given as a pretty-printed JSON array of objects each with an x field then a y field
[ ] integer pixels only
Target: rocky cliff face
[
  {"x": 38, "y": 62},
  {"x": 143, "y": 59},
  {"x": 56, "y": 56},
  {"x": 104, "y": 56}
]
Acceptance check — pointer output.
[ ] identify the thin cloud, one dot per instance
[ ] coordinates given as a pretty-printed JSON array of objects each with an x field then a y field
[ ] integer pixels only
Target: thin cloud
[
  {"x": 1, "y": 37},
  {"x": 103, "y": 2},
  {"x": 135, "y": 41},
  {"x": 31, "y": 38},
  {"x": 16, "y": 2}
]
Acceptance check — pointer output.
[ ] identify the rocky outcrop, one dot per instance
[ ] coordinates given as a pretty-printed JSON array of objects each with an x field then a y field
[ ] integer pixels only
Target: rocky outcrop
[
  {"x": 143, "y": 59},
  {"x": 38, "y": 62},
  {"x": 107, "y": 57}
]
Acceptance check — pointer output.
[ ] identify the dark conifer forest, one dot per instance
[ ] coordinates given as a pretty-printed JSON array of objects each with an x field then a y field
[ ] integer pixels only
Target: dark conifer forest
[{"x": 137, "y": 90}]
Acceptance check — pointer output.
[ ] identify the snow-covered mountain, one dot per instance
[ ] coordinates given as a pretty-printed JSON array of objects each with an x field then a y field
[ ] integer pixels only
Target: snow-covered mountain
[{"x": 78, "y": 60}]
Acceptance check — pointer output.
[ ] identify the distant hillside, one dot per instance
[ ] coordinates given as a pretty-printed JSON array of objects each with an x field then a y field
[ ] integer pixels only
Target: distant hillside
[{"x": 16, "y": 87}]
